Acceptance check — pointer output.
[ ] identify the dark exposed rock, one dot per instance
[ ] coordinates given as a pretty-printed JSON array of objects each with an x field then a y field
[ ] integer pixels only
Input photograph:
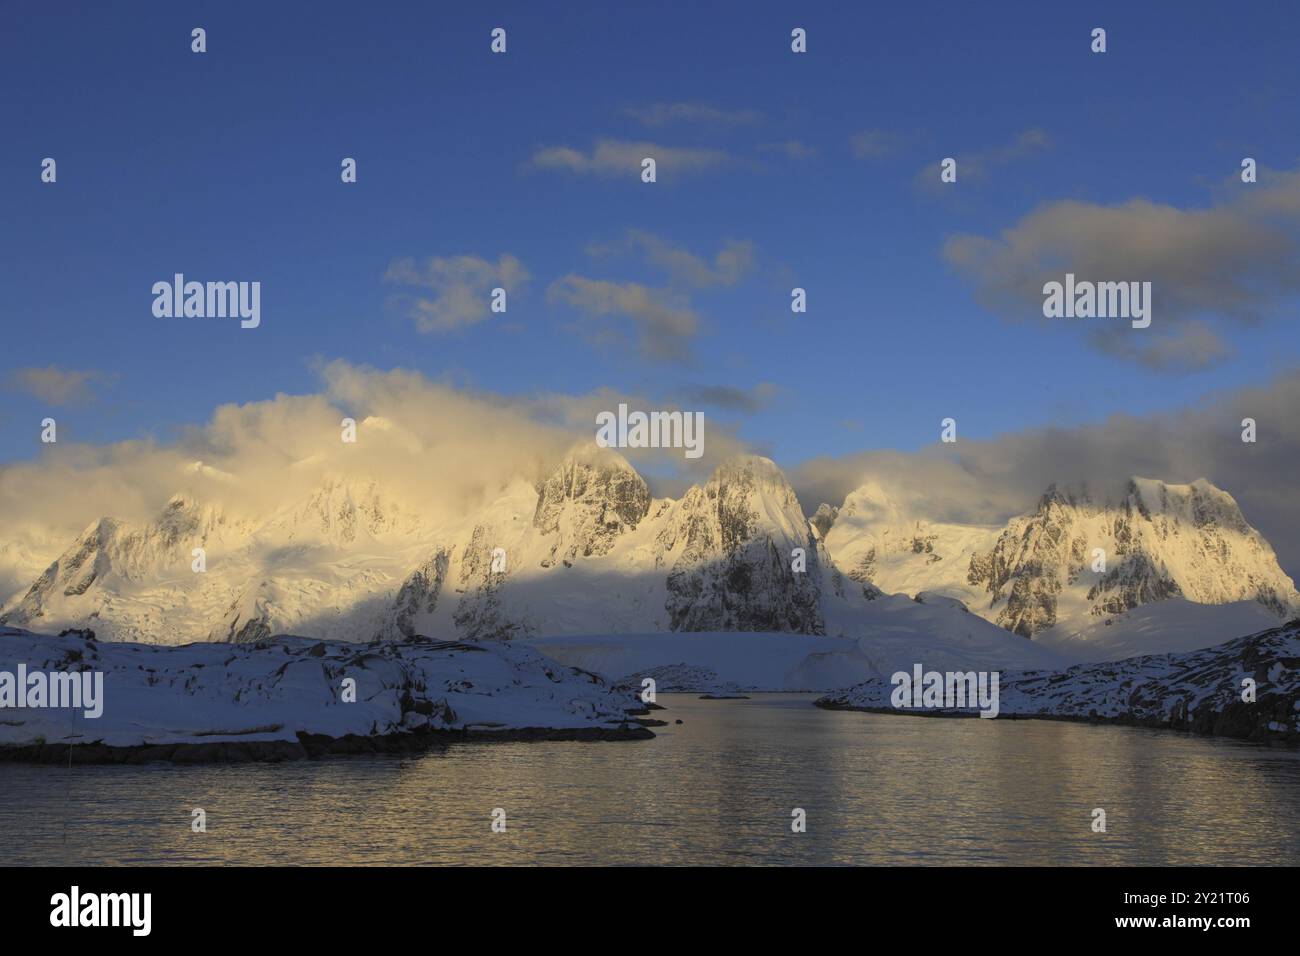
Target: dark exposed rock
[
  {"x": 824, "y": 518},
  {"x": 587, "y": 503},
  {"x": 730, "y": 573}
]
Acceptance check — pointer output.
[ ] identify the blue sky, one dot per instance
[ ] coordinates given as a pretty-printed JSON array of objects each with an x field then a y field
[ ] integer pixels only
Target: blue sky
[{"x": 225, "y": 166}]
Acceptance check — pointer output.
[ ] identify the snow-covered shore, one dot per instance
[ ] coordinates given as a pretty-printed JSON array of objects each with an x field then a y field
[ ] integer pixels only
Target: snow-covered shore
[
  {"x": 289, "y": 697},
  {"x": 1204, "y": 691},
  {"x": 897, "y": 631}
]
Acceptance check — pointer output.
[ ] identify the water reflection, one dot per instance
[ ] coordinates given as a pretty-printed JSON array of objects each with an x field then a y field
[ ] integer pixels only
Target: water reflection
[{"x": 718, "y": 788}]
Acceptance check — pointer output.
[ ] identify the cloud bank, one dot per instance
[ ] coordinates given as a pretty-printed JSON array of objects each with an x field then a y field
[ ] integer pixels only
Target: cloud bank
[
  {"x": 446, "y": 451},
  {"x": 988, "y": 481},
  {"x": 1212, "y": 268},
  {"x": 441, "y": 450}
]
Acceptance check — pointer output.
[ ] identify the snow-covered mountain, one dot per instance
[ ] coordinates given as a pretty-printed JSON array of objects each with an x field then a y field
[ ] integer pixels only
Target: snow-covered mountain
[
  {"x": 584, "y": 549},
  {"x": 325, "y": 567},
  {"x": 1078, "y": 563},
  {"x": 587, "y": 550}
]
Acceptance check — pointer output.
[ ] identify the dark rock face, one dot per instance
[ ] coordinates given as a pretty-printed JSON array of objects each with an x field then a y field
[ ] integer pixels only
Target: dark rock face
[
  {"x": 476, "y": 557},
  {"x": 253, "y": 631},
  {"x": 752, "y": 589},
  {"x": 588, "y": 505},
  {"x": 861, "y": 572},
  {"x": 1026, "y": 566},
  {"x": 339, "y": 514},
  {"x": 733, "y": 572},
  {"x": 1134, "y": 582},
  {"x": 824, "y": 518},
  {"x": 419, "y": 593},
  {"x": 1158, "y": 543},
  {"x": 76, "y": 570},
  {"x": 481, "y": 616}
]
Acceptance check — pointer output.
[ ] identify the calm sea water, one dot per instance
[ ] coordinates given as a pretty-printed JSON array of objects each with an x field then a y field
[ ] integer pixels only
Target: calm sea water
[{"x": 719, "y": 788}]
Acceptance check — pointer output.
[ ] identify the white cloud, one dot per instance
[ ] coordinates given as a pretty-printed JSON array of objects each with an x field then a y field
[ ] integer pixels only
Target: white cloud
[
  {"x": 59, "y": 386},
  {"x": 733, "y": 261},
  {"x": 460, "y": 286},
  {"x": 613, "y": 157},
  {"x": 977, "y": 166}
]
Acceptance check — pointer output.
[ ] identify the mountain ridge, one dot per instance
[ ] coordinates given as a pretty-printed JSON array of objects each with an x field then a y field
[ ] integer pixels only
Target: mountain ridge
[
  {"x": 586, "y": 548},
  {"x": 1079, "y": 558}
]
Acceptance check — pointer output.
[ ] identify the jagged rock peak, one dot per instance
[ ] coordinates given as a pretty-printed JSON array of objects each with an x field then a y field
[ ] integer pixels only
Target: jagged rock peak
[
  {"x": 1079, "y": 495},
  {"x": 591, "y": 498},
  {"x": 823, "y": 518}
]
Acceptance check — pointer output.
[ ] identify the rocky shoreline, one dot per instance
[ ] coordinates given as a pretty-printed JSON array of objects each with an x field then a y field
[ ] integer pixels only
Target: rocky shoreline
[
  {"x": 1246, "y": 689},
  {"x": 1239, "y": 724},
  {"x": 307, "y": 747},
  {"x": 290, "y": 698}
]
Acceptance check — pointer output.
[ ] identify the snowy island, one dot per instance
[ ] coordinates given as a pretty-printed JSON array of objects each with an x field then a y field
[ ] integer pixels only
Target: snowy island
[{"x": 290, "y": 698}]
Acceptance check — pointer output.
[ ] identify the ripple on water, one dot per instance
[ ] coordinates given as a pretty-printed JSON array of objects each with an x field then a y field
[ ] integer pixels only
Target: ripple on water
[{"x": 718, "y": 788}]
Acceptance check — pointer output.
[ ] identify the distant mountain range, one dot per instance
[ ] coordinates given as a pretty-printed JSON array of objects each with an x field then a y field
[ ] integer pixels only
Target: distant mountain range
[
  {"x": 588, "y": 550},
  {"x": 1070, "y": 572}
]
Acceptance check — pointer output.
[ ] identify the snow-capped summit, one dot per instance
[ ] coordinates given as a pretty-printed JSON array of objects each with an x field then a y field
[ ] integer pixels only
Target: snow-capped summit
[
  {"x": 587, "y": 502},
  {"x": 112, "y": 557},
  {"x": 591, "y": 552},
  {"x": 1078, "y": 561},
  {"x": 875, "y": 539},
  {"x": 195, "y": 573},
  {"x": 1077, "y": 556},
  {"x": 731, "y": 548}
]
